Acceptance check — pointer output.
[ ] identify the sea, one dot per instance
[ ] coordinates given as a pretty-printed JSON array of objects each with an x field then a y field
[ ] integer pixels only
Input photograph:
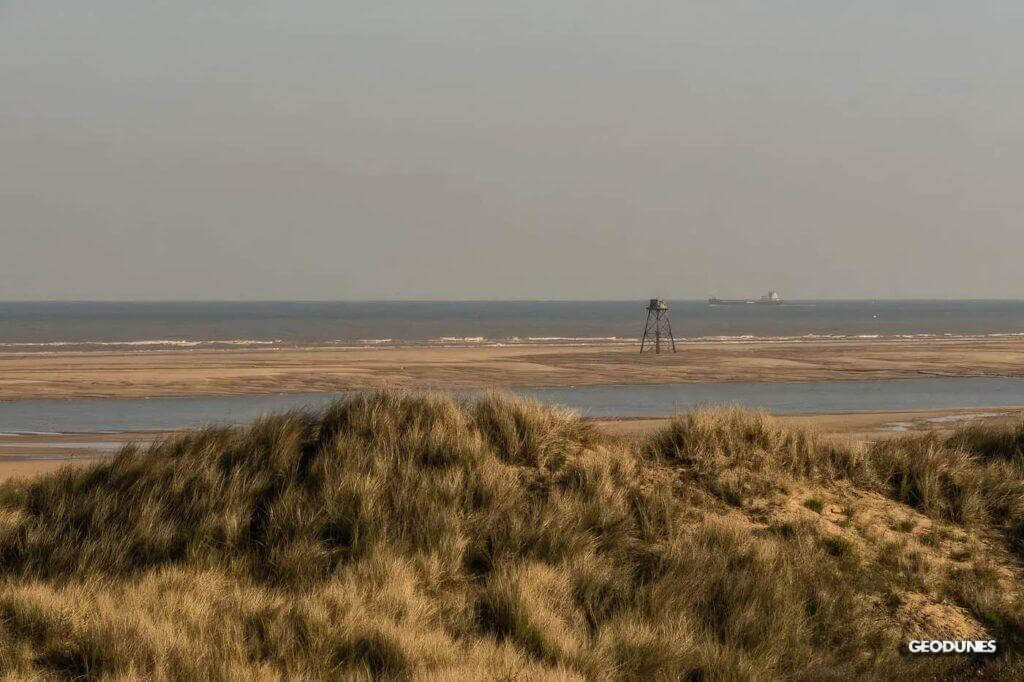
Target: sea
[{"x": 83, "y": 326}]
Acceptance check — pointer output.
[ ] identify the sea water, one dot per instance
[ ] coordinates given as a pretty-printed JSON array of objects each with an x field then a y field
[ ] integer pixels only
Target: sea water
[{"x": 52, "y": 326}]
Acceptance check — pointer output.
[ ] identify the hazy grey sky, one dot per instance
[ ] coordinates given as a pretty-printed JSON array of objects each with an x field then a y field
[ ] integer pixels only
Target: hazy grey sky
[{"x": 534, "y": 149}]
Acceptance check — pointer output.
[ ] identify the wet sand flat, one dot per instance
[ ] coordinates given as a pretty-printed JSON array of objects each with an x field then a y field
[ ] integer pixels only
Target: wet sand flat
[
  {"x": 231, "y": 372},
  {"x": 40, "y": 453},
  {"x": 27, "y": 468}
]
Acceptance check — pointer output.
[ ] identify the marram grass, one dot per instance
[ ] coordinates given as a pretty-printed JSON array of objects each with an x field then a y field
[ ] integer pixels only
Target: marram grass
[{"x": 415, "y": 537}]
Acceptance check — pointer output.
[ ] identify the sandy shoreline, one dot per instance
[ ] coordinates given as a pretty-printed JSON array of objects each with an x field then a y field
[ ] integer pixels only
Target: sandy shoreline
[{"x": 250, "y": 371}]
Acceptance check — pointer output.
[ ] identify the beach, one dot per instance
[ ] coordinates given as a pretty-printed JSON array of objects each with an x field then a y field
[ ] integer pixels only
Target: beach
[
  {"x": 317, "y": 369},
  {"x": 184, "y": 372}
]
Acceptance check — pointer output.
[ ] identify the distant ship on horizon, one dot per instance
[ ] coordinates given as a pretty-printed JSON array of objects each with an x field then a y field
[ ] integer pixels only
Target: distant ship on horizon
[{"x": 771, "y": 298}]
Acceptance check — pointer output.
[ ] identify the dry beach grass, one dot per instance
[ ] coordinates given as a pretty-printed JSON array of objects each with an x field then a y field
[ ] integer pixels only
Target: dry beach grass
[{"x": 413, "y": 536}]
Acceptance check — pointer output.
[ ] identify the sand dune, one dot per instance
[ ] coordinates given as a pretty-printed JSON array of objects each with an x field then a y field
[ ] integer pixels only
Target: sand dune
[{"x": 32, "y": 454}]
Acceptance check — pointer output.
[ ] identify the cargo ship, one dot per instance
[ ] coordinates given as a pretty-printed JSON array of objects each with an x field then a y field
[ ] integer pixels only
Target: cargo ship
[{"x": 771, "y": 298}]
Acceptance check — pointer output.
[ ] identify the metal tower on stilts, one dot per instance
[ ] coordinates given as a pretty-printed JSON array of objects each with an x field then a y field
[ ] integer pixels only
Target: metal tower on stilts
[{"x": 657, "y": 327}]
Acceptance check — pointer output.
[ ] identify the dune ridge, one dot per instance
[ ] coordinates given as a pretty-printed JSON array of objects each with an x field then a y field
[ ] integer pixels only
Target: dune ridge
[{"x": 414, "y": 536}]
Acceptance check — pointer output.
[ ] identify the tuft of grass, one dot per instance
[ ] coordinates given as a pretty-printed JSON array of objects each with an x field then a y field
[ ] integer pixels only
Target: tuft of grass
[
  {"x": 946, "y": 480},
  {"x": 841, "y": 547},
  {"x": 990, "y": 442},
  {"x": 905, "y": 525},
  {"x": 814, "y": 504},
  {"x": 408, "y": 536}
]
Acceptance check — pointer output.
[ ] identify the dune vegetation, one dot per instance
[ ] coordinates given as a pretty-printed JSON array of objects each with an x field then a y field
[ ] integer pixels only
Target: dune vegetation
[{"x": 415, "y": 536}]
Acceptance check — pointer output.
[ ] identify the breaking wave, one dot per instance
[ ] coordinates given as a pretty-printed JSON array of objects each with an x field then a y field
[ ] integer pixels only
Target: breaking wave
[
  {"x": 463, "y": 341},
  {"x": 145, "y": 343}
]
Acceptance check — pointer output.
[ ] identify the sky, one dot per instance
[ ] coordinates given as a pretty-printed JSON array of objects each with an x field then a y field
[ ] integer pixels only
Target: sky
[{"x": 541, "y": 149}]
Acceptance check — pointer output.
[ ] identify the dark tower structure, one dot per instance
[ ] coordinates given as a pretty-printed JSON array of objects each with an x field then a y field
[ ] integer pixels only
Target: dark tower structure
[{"x": 657, "y": 327}]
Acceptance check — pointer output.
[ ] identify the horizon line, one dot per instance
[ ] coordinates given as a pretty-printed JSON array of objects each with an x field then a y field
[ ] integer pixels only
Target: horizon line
[{"x": 490, "y": 300}]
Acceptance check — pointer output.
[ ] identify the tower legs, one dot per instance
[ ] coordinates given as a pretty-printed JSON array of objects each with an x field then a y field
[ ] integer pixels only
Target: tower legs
[{"x": 657, "y": 325}]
